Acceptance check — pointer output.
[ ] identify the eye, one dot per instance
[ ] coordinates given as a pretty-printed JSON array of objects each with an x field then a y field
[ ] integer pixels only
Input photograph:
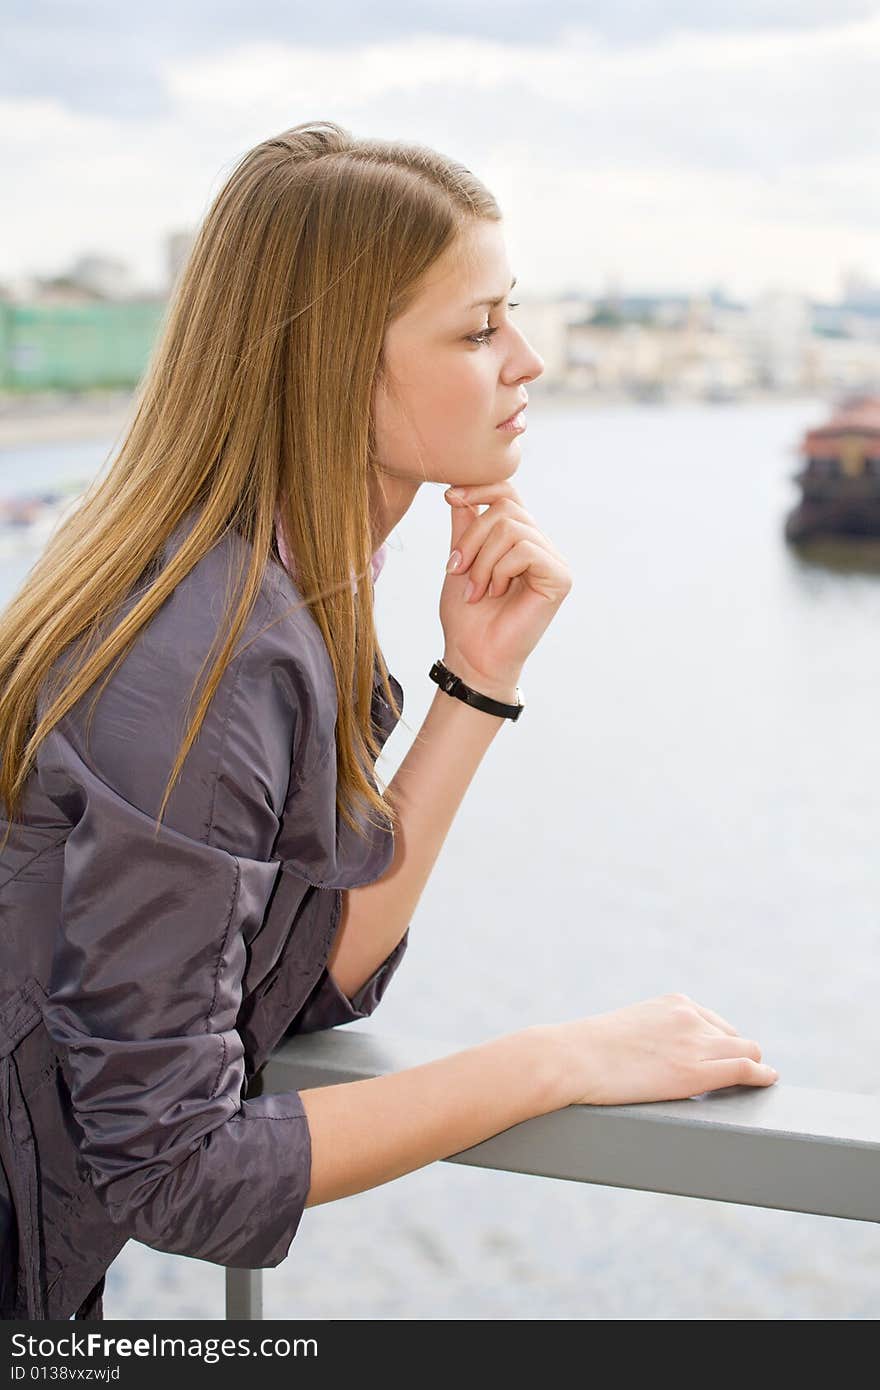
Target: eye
[{"x": 486, "y": 333}]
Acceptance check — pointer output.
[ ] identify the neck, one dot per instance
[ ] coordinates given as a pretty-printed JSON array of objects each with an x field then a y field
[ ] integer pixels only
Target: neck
[{"x": 390, "y": 499}]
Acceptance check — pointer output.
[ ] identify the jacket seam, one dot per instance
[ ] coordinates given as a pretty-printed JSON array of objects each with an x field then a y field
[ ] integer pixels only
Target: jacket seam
[
  {"x": 34, "y": 857},
  {"x": 239, "y": 1119},
  {"x": 226, "y": 718},
  {"x": 233, "y": 898},
  {"x": 221, "y": 750},
  {"x": 315, "y": 768},
  {"x": 19, "y": 1015}
]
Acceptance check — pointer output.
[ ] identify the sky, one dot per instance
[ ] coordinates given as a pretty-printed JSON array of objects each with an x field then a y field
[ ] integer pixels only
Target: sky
[{"x": 669, "y": 147}]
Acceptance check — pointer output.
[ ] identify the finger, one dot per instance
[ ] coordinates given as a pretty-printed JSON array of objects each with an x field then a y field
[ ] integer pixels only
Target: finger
[
  {"x": 462, "y": 518},
  {"x": 512, "y": 508},
  {"x": 718, "y": 1045},
  {"x": 733, "y": 1071},
  {"x": 484, "y": 571},
  {"x": 504, "y": 572},
  {"x": 471, "y": 537},
  {"x": 501, "y": 506},
  {"x": 545, "y": 574},
  {"x": 478, "y": 493},
  {"x": 711, "y": 1017}
]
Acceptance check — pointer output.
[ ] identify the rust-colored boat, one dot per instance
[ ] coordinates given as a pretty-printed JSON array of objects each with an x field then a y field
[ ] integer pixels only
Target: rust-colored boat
[{"x": 840, "y": 476}]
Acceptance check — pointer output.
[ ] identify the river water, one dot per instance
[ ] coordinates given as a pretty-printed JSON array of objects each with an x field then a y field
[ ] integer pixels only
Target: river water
[{"x": 689, "y": 802}]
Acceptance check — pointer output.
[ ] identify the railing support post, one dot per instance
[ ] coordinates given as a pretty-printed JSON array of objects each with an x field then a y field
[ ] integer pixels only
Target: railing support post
[{"x": 244, "y": 1294}]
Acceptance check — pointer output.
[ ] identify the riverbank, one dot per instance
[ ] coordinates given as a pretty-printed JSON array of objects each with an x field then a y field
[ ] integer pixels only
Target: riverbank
[{"x": 54, "y": 418}]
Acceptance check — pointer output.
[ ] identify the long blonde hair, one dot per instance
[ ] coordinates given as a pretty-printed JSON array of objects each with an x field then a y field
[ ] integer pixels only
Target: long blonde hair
[{"x": 257, "y": 396}]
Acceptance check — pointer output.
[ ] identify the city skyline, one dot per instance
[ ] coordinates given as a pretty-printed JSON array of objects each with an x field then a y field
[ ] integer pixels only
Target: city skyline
[{"x": 110, "y": 275}]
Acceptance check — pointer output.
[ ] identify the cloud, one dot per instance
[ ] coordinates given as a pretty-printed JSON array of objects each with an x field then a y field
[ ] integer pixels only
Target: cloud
[
  {"x": 761, "y": 102},
  {"x": 735, "y": 154},
  {"x": 103, "y": 57}
]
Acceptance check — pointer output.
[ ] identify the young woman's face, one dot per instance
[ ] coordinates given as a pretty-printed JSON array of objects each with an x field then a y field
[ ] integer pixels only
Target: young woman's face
[{"x": 438, "y": 419}]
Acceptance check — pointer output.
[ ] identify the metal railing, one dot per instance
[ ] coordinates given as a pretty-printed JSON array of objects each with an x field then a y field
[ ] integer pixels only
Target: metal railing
[{"x": 786, "y": 1147}]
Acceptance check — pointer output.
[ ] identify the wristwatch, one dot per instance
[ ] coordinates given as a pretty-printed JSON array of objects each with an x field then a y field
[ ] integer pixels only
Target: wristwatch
[{"x": 454, "y": 685}]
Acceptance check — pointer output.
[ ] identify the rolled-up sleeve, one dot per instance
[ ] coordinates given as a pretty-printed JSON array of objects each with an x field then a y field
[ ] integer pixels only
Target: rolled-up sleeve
[
  {"x": 327, "y": 1005},
  {"x": 143, "y": 996},
  {"x": 147, "y": 974},
  {"x": 145, "y": 987}
]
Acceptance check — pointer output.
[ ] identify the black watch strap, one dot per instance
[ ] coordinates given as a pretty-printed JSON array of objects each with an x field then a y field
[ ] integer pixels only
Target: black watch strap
[{"x": 454, "y": 685}]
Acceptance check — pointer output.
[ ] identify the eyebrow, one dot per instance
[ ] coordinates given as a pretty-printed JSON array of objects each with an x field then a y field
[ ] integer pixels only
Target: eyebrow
[{"x": 477, "y": 302}]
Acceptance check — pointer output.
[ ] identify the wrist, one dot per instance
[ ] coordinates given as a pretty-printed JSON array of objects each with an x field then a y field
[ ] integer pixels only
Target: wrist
[
  {"x": 547, "y": 1067},
  {"x": 497, "y": 687},
  {"x": 577, "y": 1060}
]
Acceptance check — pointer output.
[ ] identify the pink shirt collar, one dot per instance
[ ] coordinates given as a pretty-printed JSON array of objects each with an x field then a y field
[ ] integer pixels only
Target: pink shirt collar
[{"x": 376, "y": 563}]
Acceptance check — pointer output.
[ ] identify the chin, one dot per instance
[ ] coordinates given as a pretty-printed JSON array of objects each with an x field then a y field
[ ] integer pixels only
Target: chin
[{"x": 508, "y": 440}]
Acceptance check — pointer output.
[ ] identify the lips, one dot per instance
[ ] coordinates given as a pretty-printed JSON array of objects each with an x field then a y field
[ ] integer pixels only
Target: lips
[{"x": 513, "y": 414}]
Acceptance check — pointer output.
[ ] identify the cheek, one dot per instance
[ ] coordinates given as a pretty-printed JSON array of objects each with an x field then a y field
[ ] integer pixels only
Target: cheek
[
  {"x": 466, "y": 392},
  {"x": 450, "y": 399},
  {"x": 444, "y": 413},
  {"x": 456, "y": 420},
  {"x": 451, "y": 408}
]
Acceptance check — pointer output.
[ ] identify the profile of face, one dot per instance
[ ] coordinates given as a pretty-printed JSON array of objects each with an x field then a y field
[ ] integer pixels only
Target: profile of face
[{"x": 456, "y": 366}]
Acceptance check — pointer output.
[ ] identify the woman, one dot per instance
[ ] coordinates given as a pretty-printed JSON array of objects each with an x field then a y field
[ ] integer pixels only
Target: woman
[{"x": 177, "y": 892}]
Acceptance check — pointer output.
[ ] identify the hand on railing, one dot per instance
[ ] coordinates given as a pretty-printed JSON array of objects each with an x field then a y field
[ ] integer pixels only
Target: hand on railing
[{"x": 666, "y": 1048}]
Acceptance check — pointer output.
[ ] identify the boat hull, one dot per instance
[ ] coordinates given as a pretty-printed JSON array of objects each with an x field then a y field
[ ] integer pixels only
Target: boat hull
[{"x": 811, "y": 518}]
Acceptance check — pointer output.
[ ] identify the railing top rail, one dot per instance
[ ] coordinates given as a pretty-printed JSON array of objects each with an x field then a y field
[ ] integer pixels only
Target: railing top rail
[{"x": 787, "y": 1147}]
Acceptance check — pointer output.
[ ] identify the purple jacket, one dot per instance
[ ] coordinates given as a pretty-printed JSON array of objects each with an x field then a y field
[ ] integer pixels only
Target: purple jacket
[{"x": 145, "y": 983}]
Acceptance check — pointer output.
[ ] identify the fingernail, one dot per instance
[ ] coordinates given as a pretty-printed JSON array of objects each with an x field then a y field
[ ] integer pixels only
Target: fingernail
[
  {"x": 454, "y": 492},
  {"x": 454, "y": 560},
  {"x": 468, "y": 589}
]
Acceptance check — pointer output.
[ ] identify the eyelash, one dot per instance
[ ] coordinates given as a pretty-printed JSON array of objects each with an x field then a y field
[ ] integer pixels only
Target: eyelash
[{"x": 486, "y": 333}]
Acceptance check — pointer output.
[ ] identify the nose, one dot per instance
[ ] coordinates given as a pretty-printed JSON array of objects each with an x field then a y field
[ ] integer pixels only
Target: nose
[
  {"x": 530, "y": 364},
  {"x": 528, "y": 369}
]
